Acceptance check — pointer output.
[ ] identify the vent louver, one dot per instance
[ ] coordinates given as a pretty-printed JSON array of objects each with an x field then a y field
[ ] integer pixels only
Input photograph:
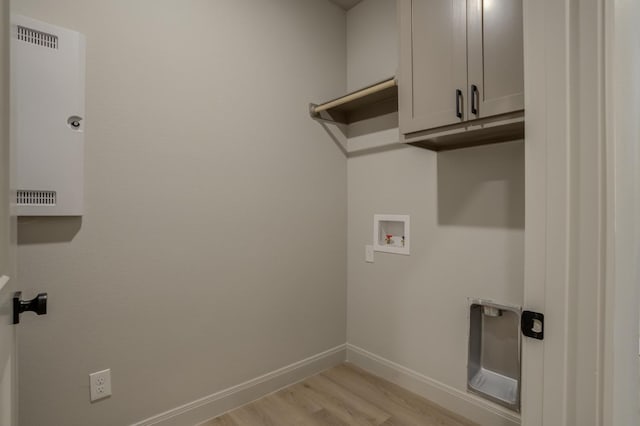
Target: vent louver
[
  {"x": 36, "y": 198},
  {"x": 38, "y": 38}
]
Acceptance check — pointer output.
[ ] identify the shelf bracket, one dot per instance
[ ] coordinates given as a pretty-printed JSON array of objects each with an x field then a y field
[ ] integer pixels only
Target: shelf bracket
[{"x": 316, "y": 115}]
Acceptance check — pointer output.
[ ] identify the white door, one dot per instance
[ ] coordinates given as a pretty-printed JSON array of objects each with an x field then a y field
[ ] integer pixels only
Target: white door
[{"x": 8, "y": 414}]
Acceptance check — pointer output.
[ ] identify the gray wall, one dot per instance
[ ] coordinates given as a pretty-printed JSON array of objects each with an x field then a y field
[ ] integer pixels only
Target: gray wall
[
  {"x": 213, "y": 249},
  {"x": 372, "y": 56},
  {"x": 467, "y": 236},
  {"x": 372, "y": 43}
]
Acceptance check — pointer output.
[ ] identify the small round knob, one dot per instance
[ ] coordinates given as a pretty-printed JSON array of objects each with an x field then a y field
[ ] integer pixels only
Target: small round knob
[
  {"x": 74, "y": 122},
  {"x": 40, "y": 307}
]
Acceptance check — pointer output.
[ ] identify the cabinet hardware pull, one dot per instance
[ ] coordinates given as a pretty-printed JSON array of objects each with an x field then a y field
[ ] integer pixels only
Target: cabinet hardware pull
[
  {"x": 459, "y": 103},
  {"x": 475, "y": 96}
]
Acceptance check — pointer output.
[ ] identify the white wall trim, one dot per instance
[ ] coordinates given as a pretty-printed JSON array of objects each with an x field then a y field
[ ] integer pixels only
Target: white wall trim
[
  {"x": 465, "y": 404},
  {"x": 227, "y": 399},
  {"x": 619, "y": 324}
]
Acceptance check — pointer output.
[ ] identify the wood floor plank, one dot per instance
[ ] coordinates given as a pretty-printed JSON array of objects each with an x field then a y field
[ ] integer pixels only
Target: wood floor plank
[
  {"x": 224, "y": 420},
  {"x": 404, "y": 406},
  {"x": 295, "y": 397},
  {"x": 251, "y": 415},
  {"x": 328, "y": 419},
  {"x": 342, "y": 396},
  {"x": 399, "y": 412},
  {"x": 284, "y": 413},
  {"x": 339, "y": 408},
  {"x": 418, "y": 402},
  {"x": 392, "y": 422},
  {"x": 338, "y": 395}
]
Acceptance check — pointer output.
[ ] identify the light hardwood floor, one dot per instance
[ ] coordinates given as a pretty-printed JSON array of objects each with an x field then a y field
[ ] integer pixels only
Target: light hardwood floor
[{"x": 343, "y": 395}]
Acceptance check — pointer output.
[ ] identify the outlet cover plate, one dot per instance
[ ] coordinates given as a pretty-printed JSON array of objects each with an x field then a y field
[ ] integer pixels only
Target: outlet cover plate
[
  {"x": 100, "y": 384},
  {"x": 368, "y": 254}
]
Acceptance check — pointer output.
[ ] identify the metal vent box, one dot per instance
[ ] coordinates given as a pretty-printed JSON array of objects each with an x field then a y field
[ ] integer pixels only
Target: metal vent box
[
  {"x": 47, "y": 118},
  {"x": 493, "y": 369}
]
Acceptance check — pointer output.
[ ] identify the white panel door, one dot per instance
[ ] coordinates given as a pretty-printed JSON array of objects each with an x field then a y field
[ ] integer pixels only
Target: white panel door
[{"x": 8, "y": 396}]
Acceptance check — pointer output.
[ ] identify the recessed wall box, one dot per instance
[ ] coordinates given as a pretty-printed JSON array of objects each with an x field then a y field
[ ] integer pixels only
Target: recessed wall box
[
  {"x": 493, "y": 369},
  {"x": 391, "y": 233},
  {"x": 47, "y": 114}
]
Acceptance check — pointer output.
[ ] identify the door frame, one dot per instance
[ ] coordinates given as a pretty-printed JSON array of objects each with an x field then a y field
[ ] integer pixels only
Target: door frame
[
  {"x": 621, "y": 377},
  {"x": 8, "y": 354},
  {"x": 547, "y": 142},
  {"x": 581, "y": 103}
]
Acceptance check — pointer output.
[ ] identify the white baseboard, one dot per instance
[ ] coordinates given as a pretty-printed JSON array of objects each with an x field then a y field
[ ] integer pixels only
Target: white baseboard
[
  {"x": 467, "y": 405},
  {"x": 470, "y": 406},
  {"x": 220, "y": 402}
]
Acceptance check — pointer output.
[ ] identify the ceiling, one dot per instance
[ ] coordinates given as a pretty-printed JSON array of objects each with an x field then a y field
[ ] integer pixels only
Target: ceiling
[{"x": 346, "y": 4}]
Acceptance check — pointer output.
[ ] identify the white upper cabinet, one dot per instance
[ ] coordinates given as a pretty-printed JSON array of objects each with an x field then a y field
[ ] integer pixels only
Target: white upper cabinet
[
  {"x": 460, "y": 60},
  {"x": 433, "y": 63},
  {"x": 496, "y": 57}
]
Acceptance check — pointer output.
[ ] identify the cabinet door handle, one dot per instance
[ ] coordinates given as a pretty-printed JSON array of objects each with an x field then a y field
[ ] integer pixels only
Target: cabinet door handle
[
  {"x": 459, "y": 103},
  {"x": 475, "y": 97}
]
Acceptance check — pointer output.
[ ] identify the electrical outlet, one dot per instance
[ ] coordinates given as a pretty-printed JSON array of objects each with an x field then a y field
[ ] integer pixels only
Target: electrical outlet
[
  {"x": 100, "y": 384},
  {"x": 368, "y": 254}
]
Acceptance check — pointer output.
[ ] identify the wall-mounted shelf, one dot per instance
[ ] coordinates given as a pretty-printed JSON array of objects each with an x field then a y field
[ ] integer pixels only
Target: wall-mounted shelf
[
  {"x": 504, "y": 128},
  {"x": 372, "y": 101}
]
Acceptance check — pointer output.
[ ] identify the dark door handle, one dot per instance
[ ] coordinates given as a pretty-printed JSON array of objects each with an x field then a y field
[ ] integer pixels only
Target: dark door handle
[
  {"x": 38, "y": 305},
  {"x": 475, "y": 99},
  {"x": 459, "y": 103}
]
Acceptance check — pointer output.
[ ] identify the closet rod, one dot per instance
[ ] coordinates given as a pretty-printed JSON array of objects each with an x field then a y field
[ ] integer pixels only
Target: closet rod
[{"x": 355, "y": 95}]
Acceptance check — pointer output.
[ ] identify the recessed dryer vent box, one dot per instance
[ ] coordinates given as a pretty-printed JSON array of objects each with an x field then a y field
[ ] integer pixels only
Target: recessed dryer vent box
[
  {"x": 47, "y": 117},
  {"x": 493, "y": 369},
  {"x": 391, "y": 233}
]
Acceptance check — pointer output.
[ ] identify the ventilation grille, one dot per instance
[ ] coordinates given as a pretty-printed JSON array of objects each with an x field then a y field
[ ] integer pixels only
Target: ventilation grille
[
  {"x": 38, "y": 38},
  {"x": 36, "y": 198}
]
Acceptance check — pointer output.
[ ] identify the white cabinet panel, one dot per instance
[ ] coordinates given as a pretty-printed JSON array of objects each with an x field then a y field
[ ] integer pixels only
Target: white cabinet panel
[
  {"x": 496, "y": 57},
  {"x": 433, "y": 63}
]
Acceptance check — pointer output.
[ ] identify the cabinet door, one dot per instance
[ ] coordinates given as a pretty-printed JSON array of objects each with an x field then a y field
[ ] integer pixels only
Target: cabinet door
[
  {"x": 496, "y": 57},
  {"x": 433, "y": 63}
]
